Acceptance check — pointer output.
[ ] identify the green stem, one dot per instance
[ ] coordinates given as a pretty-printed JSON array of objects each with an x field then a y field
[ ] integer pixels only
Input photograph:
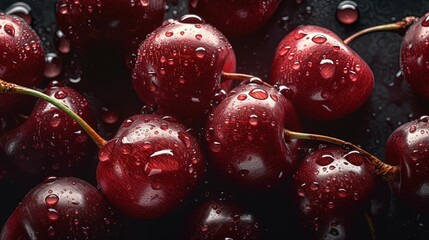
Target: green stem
[
  {"x": 404, "y": 24},
  {"x": 9, "y": 88},
  {"x": 388, "y": 172}
]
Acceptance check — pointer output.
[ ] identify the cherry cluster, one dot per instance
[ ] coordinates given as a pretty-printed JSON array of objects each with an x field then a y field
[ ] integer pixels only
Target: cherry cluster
[{"x": 200, "y": 149}]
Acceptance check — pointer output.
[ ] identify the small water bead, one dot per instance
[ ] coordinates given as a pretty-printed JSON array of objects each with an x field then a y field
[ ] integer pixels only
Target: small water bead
[
  {"x": 319, "y": 38},
  {"x": 353, "y": 76},
  {"x": 168, "y": 34},
  {"x": 144, "y": 3},
  {"x": 242, "y": 97},
  {"x": 109, "y": 116},
  {"x": 412, "y": 129},
  {"x": 425, "y": 22},
  {"x": 327, "y": 68},
  {"x": 53, "y": 214},
  {"x": 51, "y": 232},
  {"x": 55, "y": 120},
  {"x": 184, "y": 138},
  {"x": 198, "y": 36},
  {"x": 53, "y": 66},
  {"x": 191, "y": 18},
  {"x": 9, "y": 29},
  {"x": 259, "y": 94},
  {"x": 347, "y": 12},
  {"x": 60, "y": 94},
  {"x": 200, "y": 52},
  {"x": 216, "y": 146},
  {"x": 342, "y": 192},
  {"x": 284, "y": 50},
  {"x": 253, "y": 120},
  {"x": 62, "y": 43},
  {"x": 325, "y": 160},
  {"x": 51, "y": 200},
  {"x": 300, "y": 34}
]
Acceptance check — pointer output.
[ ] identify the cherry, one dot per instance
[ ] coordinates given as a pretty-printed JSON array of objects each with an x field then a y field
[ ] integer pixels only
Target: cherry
[
  {"x": 50, "y": 142},
  {"x": 241, "y": 17},
  {"x": 327, "y": 79},
  {"x": 92, "y": 25},
  {"x": 151, "y": 165},
  {"x": 223, "y": 219},
  {"x": 179, "y": 67},
  {"x": 331, "y": 186},
  {"x": 407, "y": 147},
  {"x": 414, "y": 59},
  {"x": 62, "y": 208},
  {"x": 245, "y": 136},
  {"x": 22, "y": 60}
]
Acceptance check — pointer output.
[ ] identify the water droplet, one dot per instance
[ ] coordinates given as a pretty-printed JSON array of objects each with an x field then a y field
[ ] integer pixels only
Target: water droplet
[
  {"x": 327, "y": 68},
  {"x": 425, "y": 22},
  {"x": 314, "y": 186},
  {"x": 63, "y": 8},
  {"x": 109, "y": 116},
  {"x": 242, "y": 97},
  {"x": 168, "y": 34},
  {"x": 62, "y": 43},
  {"x": 53, "y": 66},
  {"x": 184, "y": 138},
  {"x": 200, "y": 52},
  {"x": 413, "y": 128},
  {"x": 423, "y": 119},
  {"x": 300, "y": 34},
  {"x": 53, "y": 214},
  {"x": 198, "y": 36},
  {"x": 144, "y": 3},
  {"x": 60, "y": 94},
  {"x": 284, "y": 50},
  {"x": 253, "y": 120},
  {"x": 55, "y": 120},
  {"x": 296, "y": 65},
  {"x": 51, "y": 200},
  {"x": 243, "y": 172},
  {"x": 9, "y": 29},
  {"x": 259, "y": 94},
  {"x": 51, "y": 231},
  {"x": 215, "y": 146},
  {"x": 342, "y": 192},
  {"x": 191, "y": 18},
  {"x": 127, "y": 122},
  {"x": 50, "y": 179},
  {"x": 319, "y": 38},
  {"x": 347, "y": 12},
  {"x": 354, "y": 157},
  {"x": 353, "y": 76},
  {"x": 156, "y": 184},
  {"x": 325, "y": 160},
  {"x": 167, "y": 151}
]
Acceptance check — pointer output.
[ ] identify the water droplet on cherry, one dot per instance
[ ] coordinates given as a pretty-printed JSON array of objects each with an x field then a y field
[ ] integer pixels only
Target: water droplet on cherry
[{"x": 347, "y": 12}]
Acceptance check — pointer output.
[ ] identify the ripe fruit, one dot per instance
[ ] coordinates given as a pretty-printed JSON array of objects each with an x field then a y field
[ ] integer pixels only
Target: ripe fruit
[
  {"x": 179, "y": 66},
  {"x": 245, "y": 136},
  {"x": 331, "y": 186},
  {"x": 407, "y": 147},
  {"x": 92, "y": 25},
  {"x": 327, "y": 79},
  {"x": 150, "y": 167},
  {"x": 49, "y": 142},
  {"x": 414, "y": 58},
  {"x": 62, "y": 208},
  {"x": 22, "y": 60},
  {"x": 240, "y": 17}
]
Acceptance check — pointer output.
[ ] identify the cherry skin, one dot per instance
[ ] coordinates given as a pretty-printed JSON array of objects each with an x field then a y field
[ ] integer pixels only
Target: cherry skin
[
  {"x": 105, "y": 24},
  {"x": 222, "y": 219},
  {"x": 240, "y": 17},
  {"x": 331, "y": 186},
  {"x": 245, "y": 136},
  {"x": 179, "y": 67},
  {"x": 407, "y": 147},
  {"x": 22, "y": 61},
  {"x": 62, "y": 208},
  {"x": 50, "y": 142},
  {"x": 327, "y": 79},
  {"x": 150, "y": 167},
  {"x": 414, "y": 57}
]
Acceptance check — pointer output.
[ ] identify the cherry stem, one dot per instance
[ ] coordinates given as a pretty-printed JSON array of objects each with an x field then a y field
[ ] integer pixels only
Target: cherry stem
[
  {"x": 243, "y": 77},
  {"x": 388, "y": 172},
  {"x": 403, "y": 24},
  {"x": 10, "y": 88}
]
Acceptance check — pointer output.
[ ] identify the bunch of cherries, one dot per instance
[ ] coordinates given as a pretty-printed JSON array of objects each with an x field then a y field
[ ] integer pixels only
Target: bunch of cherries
[{"x": 204, "y": 151}]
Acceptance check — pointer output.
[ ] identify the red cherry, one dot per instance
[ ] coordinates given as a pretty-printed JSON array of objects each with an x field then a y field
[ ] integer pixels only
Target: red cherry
[
  {"x": 62, "y": 208},
  {"x": 245, "y": 136},
  {"x": 150, "y": 167},
  {"x": 22, "y": 59},
  {"x": 240, "y": 17},
  {"x": 331, "y": 186},
  {"x": 407, "y": 147},
  {"x": 50, "y": 142},
  {"x": 414, "y": 58},
  {"x": 105, "y": 24},
  {"x": 179, "y": 67},
  {"x": 328, "y": 80}
]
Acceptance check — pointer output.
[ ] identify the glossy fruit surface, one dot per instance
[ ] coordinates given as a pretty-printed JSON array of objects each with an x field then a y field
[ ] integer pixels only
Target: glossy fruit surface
[
  {"x": 62, "y": 208},
  {"x": 245, "y": 136},
  {"x": 150, "y": 167},
  {"x": 179, "y": 67},
  {"x": 407, "y": 147},
  {"x": 240, "y": 17},
  {"x": 414, "y": 58},
  {"x": 22, "y": 59},
  {"x": 105, "y": 24},
  {"x": 331, "y": 187},
  {"x": 50, "y": 142},
  {"x": 328, "y": 80}
]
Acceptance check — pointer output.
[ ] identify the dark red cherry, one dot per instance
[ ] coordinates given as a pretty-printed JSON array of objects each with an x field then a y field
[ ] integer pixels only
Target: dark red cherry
[
  {"x": 331, "y": 186},
  {"x": 49, "y": 142},
  {"x": 62, "y": 208},
  {"x": 239, "y": 17},
  {"x": 150, "y": 167},
  {"x": 22, "y": 59},
  {"x": 97, "y": 24},
  {"x": 414, "y": 58},
  {"x": 179, "y": 67},
  {"x": 245, "y": 137},
  {"x": 408, "y": 148},
  {"x": 328, "y": 80},
  {"x": 223, "y": 219}
]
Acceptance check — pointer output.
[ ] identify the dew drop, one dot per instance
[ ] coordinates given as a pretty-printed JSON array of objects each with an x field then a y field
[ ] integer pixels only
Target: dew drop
[
  {"x": 109, "y": 116},
  {"x": 200, "y": 52},
  {"x": 60, "y": 94},
  {"x": 9, "y": 29},
  {"x": 425, "y": 22},
  {"x": 62, "y": 43},
  {"x": 55, "y": 120},
  {"x": 325, "y": 160},
  {"x": 284, "y": 50},
  {"x": 53, "y": 214},
  {"x": 216, "y": 146},
  {"x": 51, "y": 200},
  {"x": 191, "y": 18},
  {"x": 168, "y": 34},
  {"x": 242, "y": 97},
  {"x": 53, "y": 66},
  {"x": 314, "y": 186},
  {"x": 198, "y": 36},
  {"x": 342, "y": 192},
  {"x": 327, "y": 68},
  {"x": 51, "y": 231},
  {"x": 319, "y": 38},
  {"x": 300, "y": 34},
  {"x": 144, "y": 3},
  {"x": 253, "y": 120},
  {"x": 412, "y": 129},
  {"x": 259, "y": 94},
  {"x": 347, "y": 12},
  {"x": 184, "y": 138}
]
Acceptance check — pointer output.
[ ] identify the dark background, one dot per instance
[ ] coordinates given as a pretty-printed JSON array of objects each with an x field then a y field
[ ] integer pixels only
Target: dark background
[{"x": 391, "y": 104}]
